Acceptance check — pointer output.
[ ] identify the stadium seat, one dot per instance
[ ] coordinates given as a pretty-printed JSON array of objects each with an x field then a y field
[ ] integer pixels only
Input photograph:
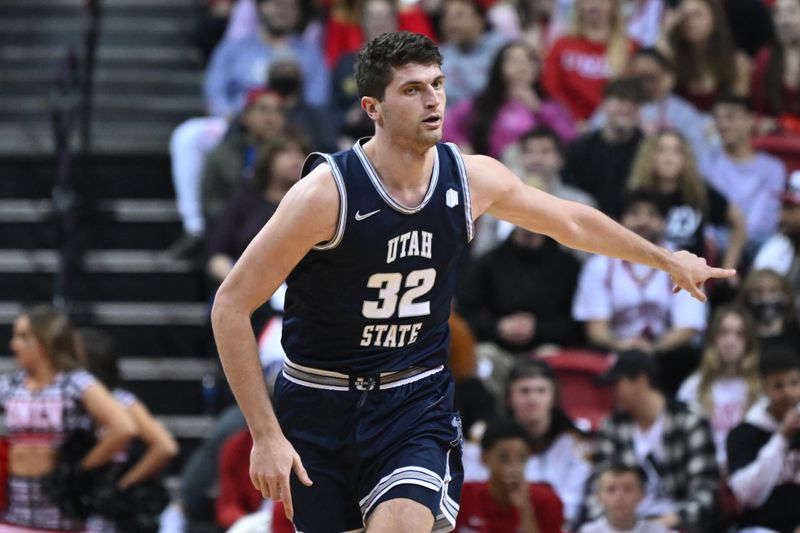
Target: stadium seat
[{"x": 587, "y": 403}]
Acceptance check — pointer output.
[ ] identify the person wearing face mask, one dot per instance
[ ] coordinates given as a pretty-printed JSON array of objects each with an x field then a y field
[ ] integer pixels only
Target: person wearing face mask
[
  {"x": 287, "y": 79},
  {"x": 770, "y": 299}
]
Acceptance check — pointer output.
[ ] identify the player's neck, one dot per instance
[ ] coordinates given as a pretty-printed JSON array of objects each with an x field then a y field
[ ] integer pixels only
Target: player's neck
[{"x": 400, "y": 167}]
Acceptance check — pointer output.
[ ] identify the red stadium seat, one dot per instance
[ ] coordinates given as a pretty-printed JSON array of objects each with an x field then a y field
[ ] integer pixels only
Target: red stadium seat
[
  {"x": 784, "y": 147},
  {"x": 587, "y": 403}
]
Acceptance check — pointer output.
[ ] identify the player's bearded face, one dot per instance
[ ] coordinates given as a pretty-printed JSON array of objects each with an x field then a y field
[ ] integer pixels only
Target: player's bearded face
[{"x": 413, "y": 104}]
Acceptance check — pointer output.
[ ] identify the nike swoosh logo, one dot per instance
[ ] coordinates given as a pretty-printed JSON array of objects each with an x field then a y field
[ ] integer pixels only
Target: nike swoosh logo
[{"x": 359, "y": 216}]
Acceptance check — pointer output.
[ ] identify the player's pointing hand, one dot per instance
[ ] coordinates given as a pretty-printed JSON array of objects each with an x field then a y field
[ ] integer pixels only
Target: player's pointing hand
[
  {"x": 689, "y": 272},
  {"x": 271, "y": 465}
]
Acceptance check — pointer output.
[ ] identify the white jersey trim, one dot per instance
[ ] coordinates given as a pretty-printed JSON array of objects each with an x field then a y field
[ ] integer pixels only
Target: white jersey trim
[
  {"x": 462, "y": 171},
  {"x": 378, "y": 184},
  {"x": 340, "y": 224}
]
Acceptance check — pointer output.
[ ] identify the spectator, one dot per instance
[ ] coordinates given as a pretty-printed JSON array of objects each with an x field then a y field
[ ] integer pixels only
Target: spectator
[
  {"x": 666, "y": 165},
  {"x": 599, "y": 162},
  {"x": 541, "y": 160},
  {"x": 750, "y": 24},
  {"x": 237, "y": 495},
  {"x": 538, "y": 158},
  {"x": 509, "y": 106},
  {"x": 231, "y": 163},
  {"x": 726, "y": 384},
  {"x": 557, "y": 446},
  {"x": 377, "y": 16},
  {"x": 662, "y": 109},
  {"x": 237, "y": 66},
  {"x": 343, "y": 29},
  {"x": 670, "y": 441},
  {"x": 140, "y": 472},
  {"x": 764, "y": 451},
  {"x": 467, "y": 48},
  {"x": 627, "y": 306},
  {"x": 706, "y": 64},
  {"x": 644, "y": 19},
  {"x": 518, "y": 295},
  {"x": 209, "y": 27},
  {"x": 780, "y": 252},
  {"x": 276, "y": 170},
  {"x": 286, "y": 77},
  {"x": 240, "y": 65},
  {"x": 542, "y": 22},
  {"x": 750, "y": 179},
  {"x": 776, "y": 79},
  {"x": 507, "y": 501},
  {"x": 46, "y": 400},
  {"x": 620, "y": 490},
  {"x": 771, "y": 300},
  {"x": 580, "y": 63}
]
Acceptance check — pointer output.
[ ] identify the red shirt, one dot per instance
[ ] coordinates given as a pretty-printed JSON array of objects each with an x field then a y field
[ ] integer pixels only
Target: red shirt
[
  {"x": 343, "y": 37},
  {"x": 479, "y": 513},
  {"x": 790, "y": 96},
  {"x": 575, "y": 72},
  {"x": 237, "y": 495}
]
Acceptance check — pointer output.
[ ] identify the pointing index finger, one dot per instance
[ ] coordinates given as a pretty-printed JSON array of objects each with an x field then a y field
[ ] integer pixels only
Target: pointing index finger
[{"x": 721, "y": 272}]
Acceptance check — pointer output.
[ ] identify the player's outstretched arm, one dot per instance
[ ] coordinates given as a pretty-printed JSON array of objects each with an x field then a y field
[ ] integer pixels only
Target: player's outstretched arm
[
  {"x": 307, "y": 216},
  {"x": 495, "y": 189}
]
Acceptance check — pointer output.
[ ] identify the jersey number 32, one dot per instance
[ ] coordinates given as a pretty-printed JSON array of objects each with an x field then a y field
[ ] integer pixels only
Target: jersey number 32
[{"x": 417, "y": 284}]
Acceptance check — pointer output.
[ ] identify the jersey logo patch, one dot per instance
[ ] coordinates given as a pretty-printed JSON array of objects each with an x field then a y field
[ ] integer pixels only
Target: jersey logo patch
[
  {"x": 359, "y": 216},
  {"x": 451, "y": 198}
]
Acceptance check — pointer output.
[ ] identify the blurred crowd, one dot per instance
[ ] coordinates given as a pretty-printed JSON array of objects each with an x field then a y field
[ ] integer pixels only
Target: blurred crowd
[{"x": 678, "y": 118}]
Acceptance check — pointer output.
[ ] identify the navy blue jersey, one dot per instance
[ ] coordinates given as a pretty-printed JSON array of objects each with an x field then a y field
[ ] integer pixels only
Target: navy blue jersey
[{"x": 376, "y": 297}]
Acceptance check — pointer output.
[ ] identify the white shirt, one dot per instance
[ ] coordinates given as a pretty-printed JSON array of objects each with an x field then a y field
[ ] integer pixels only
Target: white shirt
[
  {"x": 729, "y": 399},
  {"x": 562, "y": 465},
  {"x": 648, "y": 444},
  {"x": 635, "y": 299},
  {"x": 601, "y": 525}
]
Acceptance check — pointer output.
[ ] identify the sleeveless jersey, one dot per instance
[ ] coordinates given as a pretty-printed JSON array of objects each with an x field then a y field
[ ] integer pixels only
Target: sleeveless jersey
[{"x": 376, "y": 297}]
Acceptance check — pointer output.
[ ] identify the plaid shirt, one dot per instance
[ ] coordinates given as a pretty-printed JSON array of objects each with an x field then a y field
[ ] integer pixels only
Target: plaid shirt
[{"x": 689, "y": 469}]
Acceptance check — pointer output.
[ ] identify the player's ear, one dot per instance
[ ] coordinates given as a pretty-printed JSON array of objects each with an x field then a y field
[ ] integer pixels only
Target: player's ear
[{"x": 371, "y": 106}]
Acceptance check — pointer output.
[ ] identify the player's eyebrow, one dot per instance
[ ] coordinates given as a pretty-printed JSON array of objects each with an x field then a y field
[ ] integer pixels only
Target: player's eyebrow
[{"x": 440, "y": 77}]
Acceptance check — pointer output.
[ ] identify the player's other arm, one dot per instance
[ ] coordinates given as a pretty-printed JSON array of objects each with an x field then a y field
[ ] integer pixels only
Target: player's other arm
[
  {"x": 307, "y": 216},
  {"x": 496, "y": 189}
]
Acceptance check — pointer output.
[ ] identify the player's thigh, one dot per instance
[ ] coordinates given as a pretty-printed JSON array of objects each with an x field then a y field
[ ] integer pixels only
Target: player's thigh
[
  {"x": 400, "y": 515},
  {"x": 328, "y": 505}
]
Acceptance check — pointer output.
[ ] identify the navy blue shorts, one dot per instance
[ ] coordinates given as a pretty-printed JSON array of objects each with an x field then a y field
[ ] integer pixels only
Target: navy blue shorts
[{"x": 401, "y": 442}]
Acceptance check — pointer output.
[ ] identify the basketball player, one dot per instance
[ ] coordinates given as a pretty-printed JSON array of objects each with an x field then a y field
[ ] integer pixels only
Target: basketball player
[{"x": 364, "y": 433}]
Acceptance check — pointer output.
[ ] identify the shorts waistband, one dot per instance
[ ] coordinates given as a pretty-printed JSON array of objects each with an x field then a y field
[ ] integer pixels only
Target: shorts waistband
[{"x": 326, "y": 379}]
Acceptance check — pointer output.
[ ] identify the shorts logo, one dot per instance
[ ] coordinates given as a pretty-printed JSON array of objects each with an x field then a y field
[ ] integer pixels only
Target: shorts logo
[
  {"x": 451, "y": 197},
  {"x": 459, "y": 440}
]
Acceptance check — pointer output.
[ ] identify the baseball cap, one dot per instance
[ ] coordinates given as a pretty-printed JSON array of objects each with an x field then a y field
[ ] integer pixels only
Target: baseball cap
[
  {"x": 792, "y": 193},
  {"x": 629, "y": 364}
]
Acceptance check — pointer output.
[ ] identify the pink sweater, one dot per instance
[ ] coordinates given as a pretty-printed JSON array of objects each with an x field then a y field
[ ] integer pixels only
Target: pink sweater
[{"x": 513, "y": 120}]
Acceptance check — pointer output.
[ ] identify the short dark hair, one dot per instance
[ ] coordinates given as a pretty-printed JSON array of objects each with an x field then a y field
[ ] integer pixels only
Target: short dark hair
[
  {"x": 628, "y": 88},
  {"x": 619, "y": 469},
  {"x": 735, "y": 100},
  {"x": 655, "y": 55},
  {"x": 644, "y": 196},
  {"x": 502, "y": 429},
  {"x": 530, "y": 368},
  {"x": 379, "y": 57},
  {"x": 777, "y": 360},
  {"x": 101, "y": 357},
  {"x": 544, "y": 132}
]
